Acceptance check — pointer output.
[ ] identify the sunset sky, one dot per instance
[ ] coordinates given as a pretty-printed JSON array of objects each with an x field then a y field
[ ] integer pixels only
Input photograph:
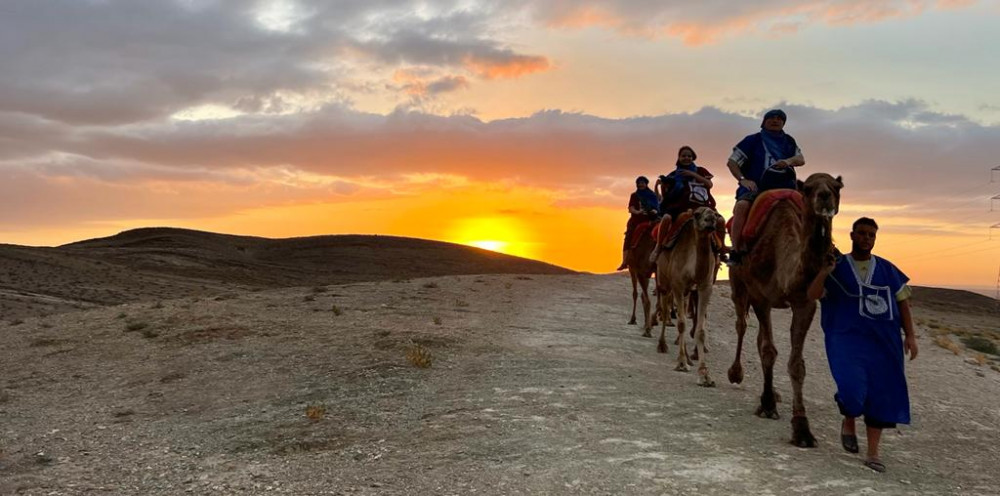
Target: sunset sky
[{"x": 517, "y": 126}]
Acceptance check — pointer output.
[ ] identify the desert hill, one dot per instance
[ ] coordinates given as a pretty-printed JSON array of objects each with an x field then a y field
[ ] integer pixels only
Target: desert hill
[{"x": 162, "y": 263}]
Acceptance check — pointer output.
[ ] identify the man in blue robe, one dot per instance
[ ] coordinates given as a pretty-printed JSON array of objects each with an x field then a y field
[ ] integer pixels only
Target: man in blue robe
[
  {"x": 760, "y": 162},
  {"x": 865, "y": 303}
]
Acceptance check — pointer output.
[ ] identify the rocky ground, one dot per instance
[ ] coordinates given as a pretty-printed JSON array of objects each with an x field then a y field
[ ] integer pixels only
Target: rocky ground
[{"x": 535, "y": 385}]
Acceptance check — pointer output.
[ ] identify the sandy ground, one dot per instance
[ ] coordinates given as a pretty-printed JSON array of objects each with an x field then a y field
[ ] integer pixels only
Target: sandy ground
[{"x": 537, "y": 386}]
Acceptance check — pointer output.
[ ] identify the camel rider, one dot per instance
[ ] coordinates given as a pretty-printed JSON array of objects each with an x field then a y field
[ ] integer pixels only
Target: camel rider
[
  {"x": 686, "y": 188},
  {"x": 643, "y": 205},
  {"x": 762, "y": 161}
]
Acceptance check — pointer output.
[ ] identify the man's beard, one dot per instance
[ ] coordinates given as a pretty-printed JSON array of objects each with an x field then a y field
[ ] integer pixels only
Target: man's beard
[{"x": 857, "y": 249}]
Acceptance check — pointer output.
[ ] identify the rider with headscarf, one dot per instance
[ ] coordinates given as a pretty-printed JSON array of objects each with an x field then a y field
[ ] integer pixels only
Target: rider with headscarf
[
  {"x": 762, "y": 161},
  {"x": 643, "y": 204}
]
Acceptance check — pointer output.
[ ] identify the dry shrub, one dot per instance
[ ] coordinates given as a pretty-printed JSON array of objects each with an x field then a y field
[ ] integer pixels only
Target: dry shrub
[
  {"x": 437, "y": 320},
  {"x": 419, "y": 356},
  {"x": 980, "y": 359},
  {"x": 946, "y": 343},
  {"x": 981, "y": 344},
  {"x": 337, "y": 311},
  {"x": 315, "y": 412},
  {"x": 461, "y": 303},
  {"x": 135, "y": 326}
]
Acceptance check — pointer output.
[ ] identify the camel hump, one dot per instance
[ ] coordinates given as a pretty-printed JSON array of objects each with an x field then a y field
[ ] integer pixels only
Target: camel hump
[{"x": 763, "y": 206}]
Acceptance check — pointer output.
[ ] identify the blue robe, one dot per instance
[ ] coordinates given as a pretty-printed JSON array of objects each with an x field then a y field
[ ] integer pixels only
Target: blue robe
[
  {"x": 861, "y": 323},
  {"x": 757, "y": 153}
]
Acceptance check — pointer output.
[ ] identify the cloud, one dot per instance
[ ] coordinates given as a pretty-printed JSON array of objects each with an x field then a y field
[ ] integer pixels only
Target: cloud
[
  {"x": 712, "y": 21},
  {"x": 118, "y": 62},
  {"x": 899, "y": 154}
]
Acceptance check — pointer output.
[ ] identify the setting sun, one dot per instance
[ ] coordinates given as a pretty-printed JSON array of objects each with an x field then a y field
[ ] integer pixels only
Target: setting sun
[{"x": 500, "y": 234}]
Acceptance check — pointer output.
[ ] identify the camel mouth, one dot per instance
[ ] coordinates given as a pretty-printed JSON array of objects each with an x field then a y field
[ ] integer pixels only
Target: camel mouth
[{"x": 827, "y": 213}]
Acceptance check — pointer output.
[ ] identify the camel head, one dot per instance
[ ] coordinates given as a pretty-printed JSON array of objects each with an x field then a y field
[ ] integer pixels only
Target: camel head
[
  {"x": 705, "y": 219},
  {"x": 822, "y": 194}
]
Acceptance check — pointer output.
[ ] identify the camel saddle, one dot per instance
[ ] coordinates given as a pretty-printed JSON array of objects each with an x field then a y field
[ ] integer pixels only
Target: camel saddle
[
  {"x": 761, "y": 209},
  {"x": 675, "y": 229},
  {"x": 641, "y": 230}
]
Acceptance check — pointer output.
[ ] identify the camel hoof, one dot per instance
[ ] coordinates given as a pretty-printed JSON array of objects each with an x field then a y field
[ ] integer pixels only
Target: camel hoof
[
  {"x": 661, "y": 347},
  {"x": 766, "y": 413},
  {"x": 690, "y": 363},
  {"x": 647, "y": 334},
  {"x": 801, "y": 435},
  {"x": 705, "y": 380},
  {"x": 736, "y": 374},
  {"x": 632, "y": 322},
  {"x": 681, "y": 368}
]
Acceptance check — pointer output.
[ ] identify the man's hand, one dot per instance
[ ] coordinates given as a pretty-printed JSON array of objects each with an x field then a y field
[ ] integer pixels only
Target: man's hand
[
  {"x": 748, "y": 184},
  {"x": 910, "y": 346},
  {"x": 781, "y": 164}
]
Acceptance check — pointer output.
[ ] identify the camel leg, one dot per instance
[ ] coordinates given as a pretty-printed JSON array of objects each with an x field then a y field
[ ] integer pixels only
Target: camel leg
[
  {"x": 768, "y": 354},
  {"x": 801, "y": 318},
  {"x": 663, "y": 302},
  {"x": 647, "y": 328},
  {"x": 682, "y": 357},
  {"x": 693, "y": 310},
  {"x": 635, "y": 294},
  {"x": 699, "y": 339},
  {"x": 741, "y": 304},
  {"x": 656, "y": 308}
]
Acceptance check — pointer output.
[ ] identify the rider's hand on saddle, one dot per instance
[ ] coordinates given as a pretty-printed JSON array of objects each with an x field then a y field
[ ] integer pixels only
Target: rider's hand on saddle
[
  {"x": 748, "y": 184},
  {"x": 781, "y": 164}
]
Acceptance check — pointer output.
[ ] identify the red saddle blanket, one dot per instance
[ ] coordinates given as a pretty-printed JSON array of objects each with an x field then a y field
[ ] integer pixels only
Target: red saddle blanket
[
  {"x": 670, "y": 238},
  {"x": 643, "y": 229},
  {"x": 762, "y": 207}
]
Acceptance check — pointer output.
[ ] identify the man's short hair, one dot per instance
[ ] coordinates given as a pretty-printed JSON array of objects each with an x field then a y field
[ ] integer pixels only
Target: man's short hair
[{"x": 864, "y": 221}]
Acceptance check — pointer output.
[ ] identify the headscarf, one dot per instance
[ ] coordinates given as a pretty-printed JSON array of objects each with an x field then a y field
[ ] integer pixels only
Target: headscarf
[{"x": 774, "y": 113}]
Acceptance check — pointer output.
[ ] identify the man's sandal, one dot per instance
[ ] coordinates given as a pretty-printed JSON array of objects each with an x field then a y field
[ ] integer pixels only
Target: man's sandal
[
  {"x": 875, "y": 465},
  {"x": 849, "y": 441}
]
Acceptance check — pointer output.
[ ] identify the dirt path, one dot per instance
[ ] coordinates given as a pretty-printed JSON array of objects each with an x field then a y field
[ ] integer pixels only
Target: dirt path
[{"x": 537, "y": 387}]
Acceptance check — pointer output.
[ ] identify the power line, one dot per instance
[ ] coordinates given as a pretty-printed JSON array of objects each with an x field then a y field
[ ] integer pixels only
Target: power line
[{"x": 951, "y": 251}]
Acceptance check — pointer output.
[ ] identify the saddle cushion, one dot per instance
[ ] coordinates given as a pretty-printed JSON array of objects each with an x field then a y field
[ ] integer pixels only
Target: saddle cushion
[
  {"x": 643, "y": 229},
  {"x": 762, "y": 207}
]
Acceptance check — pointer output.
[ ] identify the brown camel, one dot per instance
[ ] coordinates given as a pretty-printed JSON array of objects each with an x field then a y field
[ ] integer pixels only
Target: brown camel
[
  {"x": 690, "y": 265},
  {"x": 789, "y": 250},
  {"x": 640, "y": 269}
]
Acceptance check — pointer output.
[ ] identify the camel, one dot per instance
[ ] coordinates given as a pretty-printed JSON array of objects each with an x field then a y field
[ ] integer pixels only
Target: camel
[
  {"x": 640, "y": 269},
  {"x": 789, "y": 250},
  {"x": 687, "y": 267}
]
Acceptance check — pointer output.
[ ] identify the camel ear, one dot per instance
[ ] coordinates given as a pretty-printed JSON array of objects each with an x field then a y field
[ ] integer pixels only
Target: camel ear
[{"x": 840, "y": 182}]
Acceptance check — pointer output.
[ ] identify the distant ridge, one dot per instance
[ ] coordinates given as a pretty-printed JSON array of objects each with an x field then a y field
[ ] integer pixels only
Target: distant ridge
[
  {"x": 165, "y": 263},
  {"x": 956, "y": 300}
]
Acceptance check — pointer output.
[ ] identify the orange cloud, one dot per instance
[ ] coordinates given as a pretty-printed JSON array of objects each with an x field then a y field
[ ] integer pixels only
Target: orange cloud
[
  {"x": 510, "y": 67},
  {"x": 710, "y": 23}
]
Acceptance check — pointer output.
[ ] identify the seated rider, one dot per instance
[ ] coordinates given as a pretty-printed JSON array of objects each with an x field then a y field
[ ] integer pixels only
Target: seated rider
[
  {"x": 643, "y": 205},
  {"x": 761, "y": 162},
  {"x": 686, "y": 188}
]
